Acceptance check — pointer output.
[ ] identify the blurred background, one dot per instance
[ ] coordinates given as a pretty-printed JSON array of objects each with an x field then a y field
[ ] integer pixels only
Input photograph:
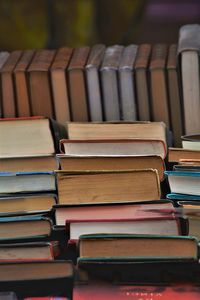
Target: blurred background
[{"x": 26, "y": 24}]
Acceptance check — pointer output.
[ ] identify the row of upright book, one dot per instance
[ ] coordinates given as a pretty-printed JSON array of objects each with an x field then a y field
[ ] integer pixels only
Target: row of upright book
[
  {"x": 86, "y": 202},
  {"x": 137, "y": 82}
]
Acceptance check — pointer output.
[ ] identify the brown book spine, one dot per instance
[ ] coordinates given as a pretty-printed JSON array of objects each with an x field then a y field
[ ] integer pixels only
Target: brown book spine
[
  {"x": 7, "y": 85},
  {"x": 21, "y": 84},
  {"x": 77, "y": 84}
]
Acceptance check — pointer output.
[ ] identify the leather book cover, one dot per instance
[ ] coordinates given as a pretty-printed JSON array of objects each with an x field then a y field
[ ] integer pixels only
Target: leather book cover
[
  {"x": 93, "y": 82},
  {"x": 77, "y": 84},
  {"x": 127, "y": 83},
  {"x": 7, "y": 85},
  {"x": 142, "y": 81},
  {"x": 39, "y": 84},
  {"x": 159, "y": 96},
  {"x": 110, "y": 90},
  {"x": 21, "y": 84},
  {"x": 174, "y": 95},
  {"x": 60, "y": 90}
]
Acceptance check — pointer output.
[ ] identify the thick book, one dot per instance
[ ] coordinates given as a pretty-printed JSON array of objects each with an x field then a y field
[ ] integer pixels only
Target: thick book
[
  {"x": 59, "y": 84},
  {"x": 22, "y": 182},
  {"x": 178, "y": 154},
  {"x": 21, "y": 84},
  {"x": 143, "y": 272},
  {"x": 107, "y": 186},
  {"x": 7, "y": 85},
  {"x": 34, "y": 136},
  {"x": 27, "y": 204},
  {"x": 184, "y": 182},
  {"x": 24, "y": 227},
  {"x": 120, "y": 147},
  {"x": 188, "y": 49},
  {"x": 38, "y": 278},
  {"x": 159, "y": 97},
  {"x": 117, "y": 130},
  {"x": 142, "y": 82},
  {"x": 174, "y": 95},
  {"x": 39, "y": 83},
  {"x": 110, "y": 91},
  {"x": 93, "y": 82},
  {"x": 119, "y": 247},
  {"x": 81, "y": 163},
  {"x": 104, "y": 290},
  {"x": 127, "y": 84},
  {"x": 165, "y": 227},
  {"x": 29, "y": 163},
  {"x": 34, "y": 251},
  {"x": 77, "y": 85},
  {"x": 152, "y": 210}
]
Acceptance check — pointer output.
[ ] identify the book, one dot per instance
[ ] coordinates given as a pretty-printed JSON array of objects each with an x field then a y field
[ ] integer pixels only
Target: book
[
  {"x": 21, "y": 84},
  {"x": 80, "y": 163},
  {"x": 188, "y": 49},
  {"x": 191, "y": 142},
  {"x": 34, "y": 136},
  {"x": 182, "y": 197},
  {"x": 7, "y": 85},
  {"x": 165, "y": 227},
  {"x": 107, "y": 186},
  {"x": 3, "y": 58},
  {"x": 39, "y": 83},
  {"x": 93, "y": 82},
  {"x": 184, "y": 182},
  {"x": 24, "y": 227},
  {"x": 137, "y": 247},
  {"x": 59, "y": 84},
  {"x": 142, "y": 272},
  {"x": 159, "y": 97},
  {"x": 22, "y": 182},
  {"x": 103, "y": 290},
  {"x": 46, "y": 298},
  {"x": 8, "y": 296},
  {"x": 28, "y": 163},
  {"x": 189, "y": 162},
  {"x": 142, "y": 81},
  {"x": 108, "y": 71},
  {"x": 77, "y": 87},
  {"x": 127, "y": 84},
  {"x": 114, "y": 147},
  {"x": 27, "y": 203},
  {"x": 174, "y": 95},
  {"x": 41, "y": 278},
  {"x": 151, "y": 210},
  {"x": 117, "y": 130},
  {"x": 178, "y": 154},
  {"x": 28, "y": 251}
]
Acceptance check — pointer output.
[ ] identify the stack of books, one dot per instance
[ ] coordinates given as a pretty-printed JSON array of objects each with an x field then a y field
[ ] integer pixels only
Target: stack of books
[{"x": 29, "y": 243}]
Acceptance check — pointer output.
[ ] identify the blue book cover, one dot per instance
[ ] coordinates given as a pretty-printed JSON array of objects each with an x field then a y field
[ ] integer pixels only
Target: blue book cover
[
  {"x": 5, "y": 174},
  {"x": 174, "y": 196},
  {"x": 181, "y": 173}
]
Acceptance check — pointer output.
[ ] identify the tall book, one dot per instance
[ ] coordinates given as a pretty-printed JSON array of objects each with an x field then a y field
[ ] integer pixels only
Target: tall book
[
  {"x": 39, "y": 83},
  {"x": 7, "y": 85},
  {"x": 59, "y": 84},
  {"x": 77, "y": 86},
  {"x": 188, "y": 49},
  {"x": 109, "y": 68},
  {"x": 3, "y": 58},
  {"x": 159, "y": 97},
  {"x": 93, "y": 82},
  {"x": 142, "y": 82},
  {"x": 126, "y": 84},
  {"x": 21, "y": 84},
  {"x": 174, "y": 95}
]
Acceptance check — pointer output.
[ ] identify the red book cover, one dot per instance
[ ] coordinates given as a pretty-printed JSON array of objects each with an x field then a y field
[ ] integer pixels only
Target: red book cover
[{"x": 116, "y": 292}]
